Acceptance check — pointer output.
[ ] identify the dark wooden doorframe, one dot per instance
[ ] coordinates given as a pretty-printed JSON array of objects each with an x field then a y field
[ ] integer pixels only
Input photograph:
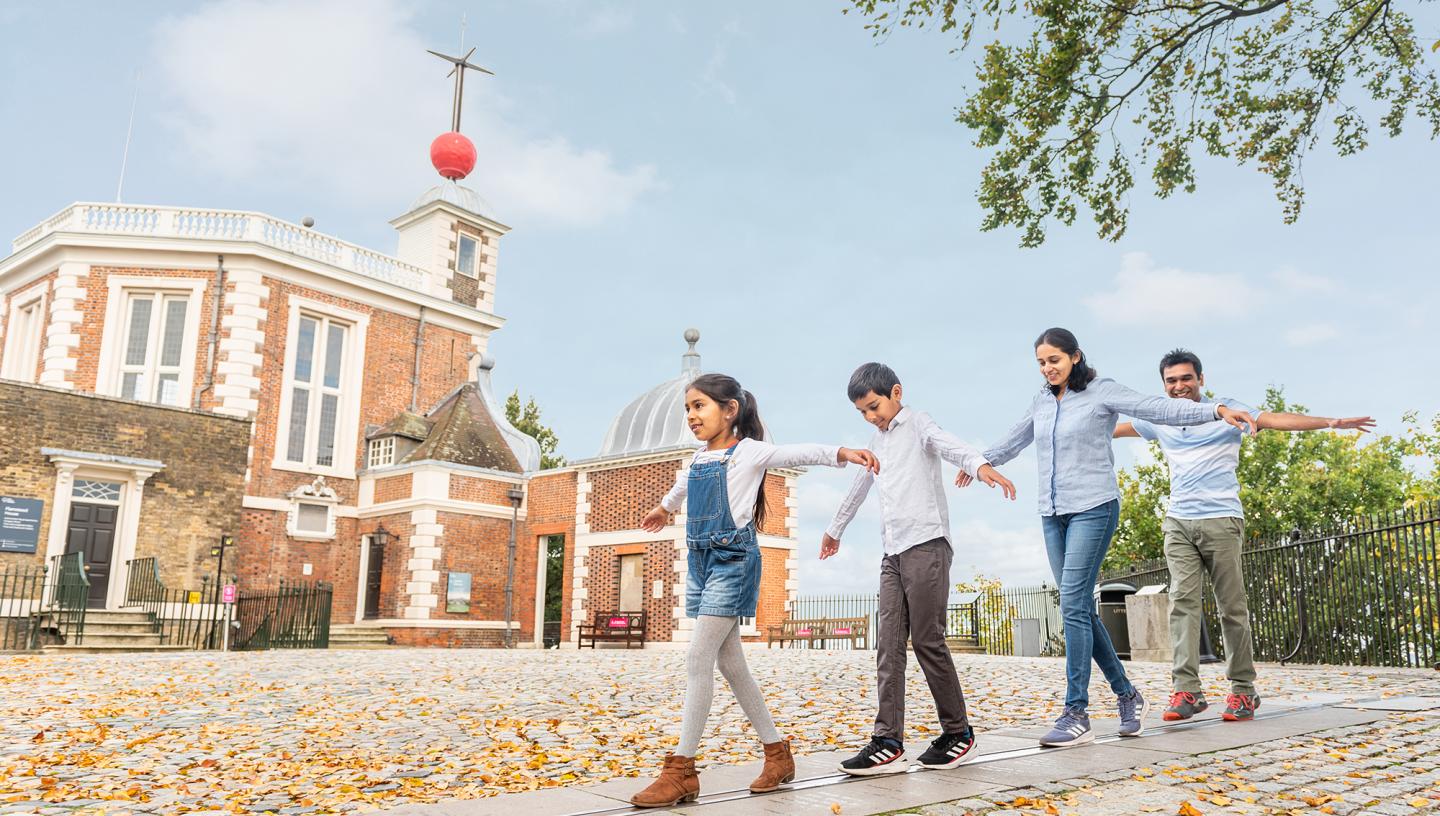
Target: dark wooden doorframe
[
  {"x": 374, "y": 570},
  {"x": 91, "y": 530}
]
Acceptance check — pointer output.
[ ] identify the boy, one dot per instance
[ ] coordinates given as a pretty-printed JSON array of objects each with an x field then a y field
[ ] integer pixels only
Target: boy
[{"x": 915, "y": 570}]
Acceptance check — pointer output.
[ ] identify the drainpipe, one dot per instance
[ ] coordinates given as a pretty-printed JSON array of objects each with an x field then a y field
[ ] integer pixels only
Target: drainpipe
[
  {"x": 415, "y": 378},
  {"x": 214, "y": 329}
]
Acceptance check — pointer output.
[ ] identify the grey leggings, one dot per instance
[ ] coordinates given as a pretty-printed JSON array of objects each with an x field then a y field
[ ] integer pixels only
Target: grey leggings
[{"x": 715, "y": 641}]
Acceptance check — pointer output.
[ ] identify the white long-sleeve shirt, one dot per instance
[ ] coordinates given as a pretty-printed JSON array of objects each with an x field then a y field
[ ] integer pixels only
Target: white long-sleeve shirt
[
  {"x": 912, "y": 496},
  {"x": 747, "y": 470}
]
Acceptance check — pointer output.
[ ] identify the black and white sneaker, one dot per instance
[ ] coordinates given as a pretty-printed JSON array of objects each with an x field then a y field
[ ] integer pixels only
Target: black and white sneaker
[
  {"x": 950, "y": 750},
  {"x": 881, "y": 756}
]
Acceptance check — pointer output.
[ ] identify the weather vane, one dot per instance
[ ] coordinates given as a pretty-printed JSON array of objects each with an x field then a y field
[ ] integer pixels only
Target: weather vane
[{"x": 458, "y": 71}]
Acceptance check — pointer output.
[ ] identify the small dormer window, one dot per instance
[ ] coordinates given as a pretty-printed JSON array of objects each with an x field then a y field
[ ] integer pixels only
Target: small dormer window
[
  {"x": 465, "y": 257},
  {"x": 382, "y": 452}
]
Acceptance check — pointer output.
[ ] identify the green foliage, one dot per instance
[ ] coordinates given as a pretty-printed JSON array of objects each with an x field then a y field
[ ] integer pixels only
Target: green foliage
[
  {"x": 1309, "y": 480},
  {"x": 527, "y": 420},
  {"x": 1261, "y": 82}
]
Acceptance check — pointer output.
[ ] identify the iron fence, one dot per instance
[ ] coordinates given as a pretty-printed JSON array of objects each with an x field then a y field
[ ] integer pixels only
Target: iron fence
[
  {"x": 43, "y": 604},
  {"x": 293, "y": 615},
  {"x": 181, "y": 617},
  {"x": 986, "y": 619},
  {"x": 841, "y": 606},
  {"x": 1365, "y": 594}
]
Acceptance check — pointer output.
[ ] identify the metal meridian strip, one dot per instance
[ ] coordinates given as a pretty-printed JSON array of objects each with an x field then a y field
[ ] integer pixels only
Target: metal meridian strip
[{"x": 827, "y": 780}]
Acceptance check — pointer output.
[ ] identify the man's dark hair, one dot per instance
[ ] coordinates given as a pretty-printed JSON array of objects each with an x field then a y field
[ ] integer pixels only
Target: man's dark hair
[
  {"x": 1180, "y": 356},
  {"x": 876, "y": 377}
]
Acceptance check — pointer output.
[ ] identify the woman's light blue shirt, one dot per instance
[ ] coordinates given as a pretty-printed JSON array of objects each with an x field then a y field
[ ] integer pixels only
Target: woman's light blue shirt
[{"x": 1072, "y": 436}]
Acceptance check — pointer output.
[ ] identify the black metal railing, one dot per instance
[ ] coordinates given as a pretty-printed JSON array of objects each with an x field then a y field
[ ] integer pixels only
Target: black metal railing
[
  {"x": 22, "y": 596},
  {"x": 181, "y": 617},
  {"x": 962, "y": 621},
  {"x": 66, "y": 598},
  {"x": 1365, "y": 594},
  {"x": 293, "y": 615},
  {"x": 839, "y": 606}
]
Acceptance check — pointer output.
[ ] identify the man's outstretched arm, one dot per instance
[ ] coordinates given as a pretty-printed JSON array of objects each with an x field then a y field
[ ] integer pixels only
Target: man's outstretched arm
[
  {"x": 1125, "y": 429},
  {"x": 1281, "y": 421}
]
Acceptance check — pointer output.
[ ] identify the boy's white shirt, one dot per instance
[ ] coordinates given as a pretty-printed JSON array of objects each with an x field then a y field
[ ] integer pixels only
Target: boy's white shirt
[
  {"x": 912, "y": 495},
  {"x": 747, "y": 470}
]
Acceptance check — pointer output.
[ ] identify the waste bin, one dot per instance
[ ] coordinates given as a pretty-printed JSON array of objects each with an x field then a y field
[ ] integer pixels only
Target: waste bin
[{"x": 1110, "y": 603}]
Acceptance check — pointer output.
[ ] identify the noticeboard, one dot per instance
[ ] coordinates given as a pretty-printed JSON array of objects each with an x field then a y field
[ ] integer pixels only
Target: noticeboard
[
  {"x": 20, "y": 524},
  {"x": 457, "y": 592}
]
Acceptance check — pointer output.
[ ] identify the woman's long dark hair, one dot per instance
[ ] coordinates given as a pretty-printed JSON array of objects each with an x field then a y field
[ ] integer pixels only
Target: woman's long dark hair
[
  {"x": 1081, "y": 374},
  {"x": 724, "y": 389}
]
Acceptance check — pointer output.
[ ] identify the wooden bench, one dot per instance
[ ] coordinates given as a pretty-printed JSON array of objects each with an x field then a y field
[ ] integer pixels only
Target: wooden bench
[
  {"x": 614, "y": 627},
  {"x": 819, "y": 630}
]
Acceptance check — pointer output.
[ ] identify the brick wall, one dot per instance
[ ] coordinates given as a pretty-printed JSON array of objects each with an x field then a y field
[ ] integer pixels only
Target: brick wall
[
  {"x": 603, "y": 584},
  {"x": 477, "y": 545},
  {"x": 620, "y": 497},
  {"x": 185, "y": 508},
  {"x": 550, "y": 510},
  {"x": 775, "y": 509},
  {"x": 771, "y": 609},
  {"x": 393, "y": 488},
  {"x": 482, "y": 491},
  {"x": 448, "y": 638}
]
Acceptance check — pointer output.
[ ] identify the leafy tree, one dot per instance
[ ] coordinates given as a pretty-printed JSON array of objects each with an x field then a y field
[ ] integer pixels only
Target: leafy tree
[
  {"x": 1310, "y": 480},
  {"x": 1257, "y": 81},
  {"x": 527, "y": 420}
]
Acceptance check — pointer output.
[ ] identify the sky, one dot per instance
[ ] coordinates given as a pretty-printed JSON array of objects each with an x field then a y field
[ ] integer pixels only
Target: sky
[{"x": 764, "y": 172}]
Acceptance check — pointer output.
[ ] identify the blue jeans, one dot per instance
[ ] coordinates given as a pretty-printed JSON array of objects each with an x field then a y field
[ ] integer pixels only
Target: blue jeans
[{"x": 1076, "y": 544}]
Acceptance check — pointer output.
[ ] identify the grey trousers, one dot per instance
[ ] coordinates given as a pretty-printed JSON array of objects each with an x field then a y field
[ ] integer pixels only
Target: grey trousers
[
  {"x": 914, "y": 591},
  {"x": 1194, "y": 547}
]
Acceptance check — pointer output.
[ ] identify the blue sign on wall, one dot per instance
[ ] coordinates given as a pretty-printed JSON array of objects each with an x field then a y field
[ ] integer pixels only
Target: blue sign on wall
[
  {"x": 457, "y": 592},
  {"x": 19, "y": 524}
]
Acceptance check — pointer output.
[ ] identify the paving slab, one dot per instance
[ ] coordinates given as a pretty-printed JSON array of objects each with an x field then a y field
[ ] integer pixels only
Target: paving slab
[
  {"x": 1062, "y": 763},
  {"x": 534, "y": 803},
  {"x": 1261, "y": 729},
  {"x": 1412, "y": 703}
]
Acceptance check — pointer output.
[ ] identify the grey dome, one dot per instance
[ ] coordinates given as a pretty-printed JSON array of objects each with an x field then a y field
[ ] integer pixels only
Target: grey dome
[
  {"x": 655, "y": 420},
  {"x": 455, "y": 195}
]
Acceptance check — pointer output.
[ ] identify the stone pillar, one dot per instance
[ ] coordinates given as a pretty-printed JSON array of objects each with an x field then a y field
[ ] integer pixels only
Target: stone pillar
[{"x": 1149, "y": 622}]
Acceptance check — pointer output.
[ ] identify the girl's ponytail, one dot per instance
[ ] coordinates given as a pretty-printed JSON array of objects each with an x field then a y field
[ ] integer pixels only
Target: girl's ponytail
[{"x": 724, "y": 389}]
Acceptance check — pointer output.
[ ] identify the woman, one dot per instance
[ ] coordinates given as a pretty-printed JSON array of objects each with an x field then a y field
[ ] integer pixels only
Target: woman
[{"x": 1073, "y": 418}]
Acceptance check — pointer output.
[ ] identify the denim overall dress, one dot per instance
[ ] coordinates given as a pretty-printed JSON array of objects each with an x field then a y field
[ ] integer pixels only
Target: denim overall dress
[{"x": 724, "y": 577}]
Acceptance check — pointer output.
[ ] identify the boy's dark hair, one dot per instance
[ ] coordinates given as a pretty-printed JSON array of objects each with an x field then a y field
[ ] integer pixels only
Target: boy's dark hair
[
  {"x": 876, "y": 377},
  {"x": 724, "y": 389},
  {"x": 1081, "y": 373},
  {"x": 1180, "y": 356}
]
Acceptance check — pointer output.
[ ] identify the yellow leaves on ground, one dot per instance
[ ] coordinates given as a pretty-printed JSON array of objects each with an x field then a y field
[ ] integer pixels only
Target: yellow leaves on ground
[{"x": 1187, "y": 809}]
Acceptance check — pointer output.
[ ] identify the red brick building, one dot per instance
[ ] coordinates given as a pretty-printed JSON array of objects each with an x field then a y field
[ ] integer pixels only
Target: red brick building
[{"x": 378, "y": 458}]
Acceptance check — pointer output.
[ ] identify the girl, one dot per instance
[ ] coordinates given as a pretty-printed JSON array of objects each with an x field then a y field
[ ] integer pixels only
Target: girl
[
  {"x": 1074, "y": 417},
  {"x": 724, "y": 498}
]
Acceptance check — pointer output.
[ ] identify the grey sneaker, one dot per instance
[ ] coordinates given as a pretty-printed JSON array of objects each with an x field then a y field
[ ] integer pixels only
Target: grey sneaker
[
  {"x": 1132, "y": 713},
  {"x": 1073, "y": 728}
]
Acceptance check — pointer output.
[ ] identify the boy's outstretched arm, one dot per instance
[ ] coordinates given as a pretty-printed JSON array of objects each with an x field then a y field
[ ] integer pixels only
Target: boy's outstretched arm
[
  {"x": 859, "y": 489},
  {"x": 1282, "y": 421},
  {"x": 963, "y": 479}
]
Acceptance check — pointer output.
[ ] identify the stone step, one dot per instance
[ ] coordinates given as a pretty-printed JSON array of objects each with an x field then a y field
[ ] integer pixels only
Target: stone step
[
  {"x": 126, "y": 639},
  {"x": 144, "y": 627}
]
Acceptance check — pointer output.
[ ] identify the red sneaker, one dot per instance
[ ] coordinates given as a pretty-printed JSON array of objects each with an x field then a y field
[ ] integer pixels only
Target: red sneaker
[
  {"x": 1184, "y": 705},
  {"x": 1240, "y": 707}
]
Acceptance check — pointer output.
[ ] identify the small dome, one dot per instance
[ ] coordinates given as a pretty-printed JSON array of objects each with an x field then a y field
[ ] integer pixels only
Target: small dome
[
  {"x": 655, "y": 420},
  {"x": 455, "y": 195}
]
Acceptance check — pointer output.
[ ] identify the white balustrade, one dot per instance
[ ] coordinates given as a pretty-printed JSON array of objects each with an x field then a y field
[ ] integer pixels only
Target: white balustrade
[{"x": 233, "y": 225}]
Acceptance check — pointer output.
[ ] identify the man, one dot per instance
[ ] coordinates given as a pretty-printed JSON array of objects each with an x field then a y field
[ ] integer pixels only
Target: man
[{"x": 1203, "y": 531}]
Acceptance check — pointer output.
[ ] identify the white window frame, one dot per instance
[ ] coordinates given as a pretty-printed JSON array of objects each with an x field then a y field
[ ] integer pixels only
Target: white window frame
[
  {"x": 316, "y": 494},
  {"x": 22, "y": 352},
  {"x": 381, "y": 452},
  {"x": 474, "y": 270},
  {"x": 352, "y": 377},
  {"x": 112, "y": 345}
]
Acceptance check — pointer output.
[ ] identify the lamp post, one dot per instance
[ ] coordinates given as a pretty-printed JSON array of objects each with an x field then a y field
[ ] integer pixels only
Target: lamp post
[{"x": 516, "y": 496}]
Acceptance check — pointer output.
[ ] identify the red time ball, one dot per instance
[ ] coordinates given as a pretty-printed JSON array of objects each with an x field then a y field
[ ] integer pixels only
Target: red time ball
[{"x": 453, "y": 155}]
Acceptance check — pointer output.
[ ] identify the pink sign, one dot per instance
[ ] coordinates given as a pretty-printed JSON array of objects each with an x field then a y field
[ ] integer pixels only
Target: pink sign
[
  {"x": 802, "y": 632},
  {"x": 227, "y": 594},
  {"x": 619, "y": 623},
  {"x": 843, "y": 630}
]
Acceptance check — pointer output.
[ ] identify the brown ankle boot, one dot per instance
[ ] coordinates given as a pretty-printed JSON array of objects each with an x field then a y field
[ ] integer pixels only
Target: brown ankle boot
[
  {"x": 678, "y": 783},
  {"x": 779, "y": 768}
]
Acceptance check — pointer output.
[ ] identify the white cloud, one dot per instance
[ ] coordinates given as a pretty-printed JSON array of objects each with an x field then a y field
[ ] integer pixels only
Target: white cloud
[
  {"x": 711, "y": 79},
  {"x": 341, "y": 96},
  {"x": 1150, "y": 295},
  {"x": 1311, "y": 334},
  {"x": 1296, "y": 282}
]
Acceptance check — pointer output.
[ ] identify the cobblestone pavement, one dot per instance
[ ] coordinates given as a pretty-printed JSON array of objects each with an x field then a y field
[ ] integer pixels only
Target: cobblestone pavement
[
  {"x": 1386, "y": 768},
  {"x": 334, "y": 732}
]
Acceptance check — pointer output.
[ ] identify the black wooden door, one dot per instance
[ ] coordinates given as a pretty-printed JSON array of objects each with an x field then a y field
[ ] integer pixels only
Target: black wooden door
[
  {"x": 374, "y": 567},
  {"x": 92, "y": 532}
]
